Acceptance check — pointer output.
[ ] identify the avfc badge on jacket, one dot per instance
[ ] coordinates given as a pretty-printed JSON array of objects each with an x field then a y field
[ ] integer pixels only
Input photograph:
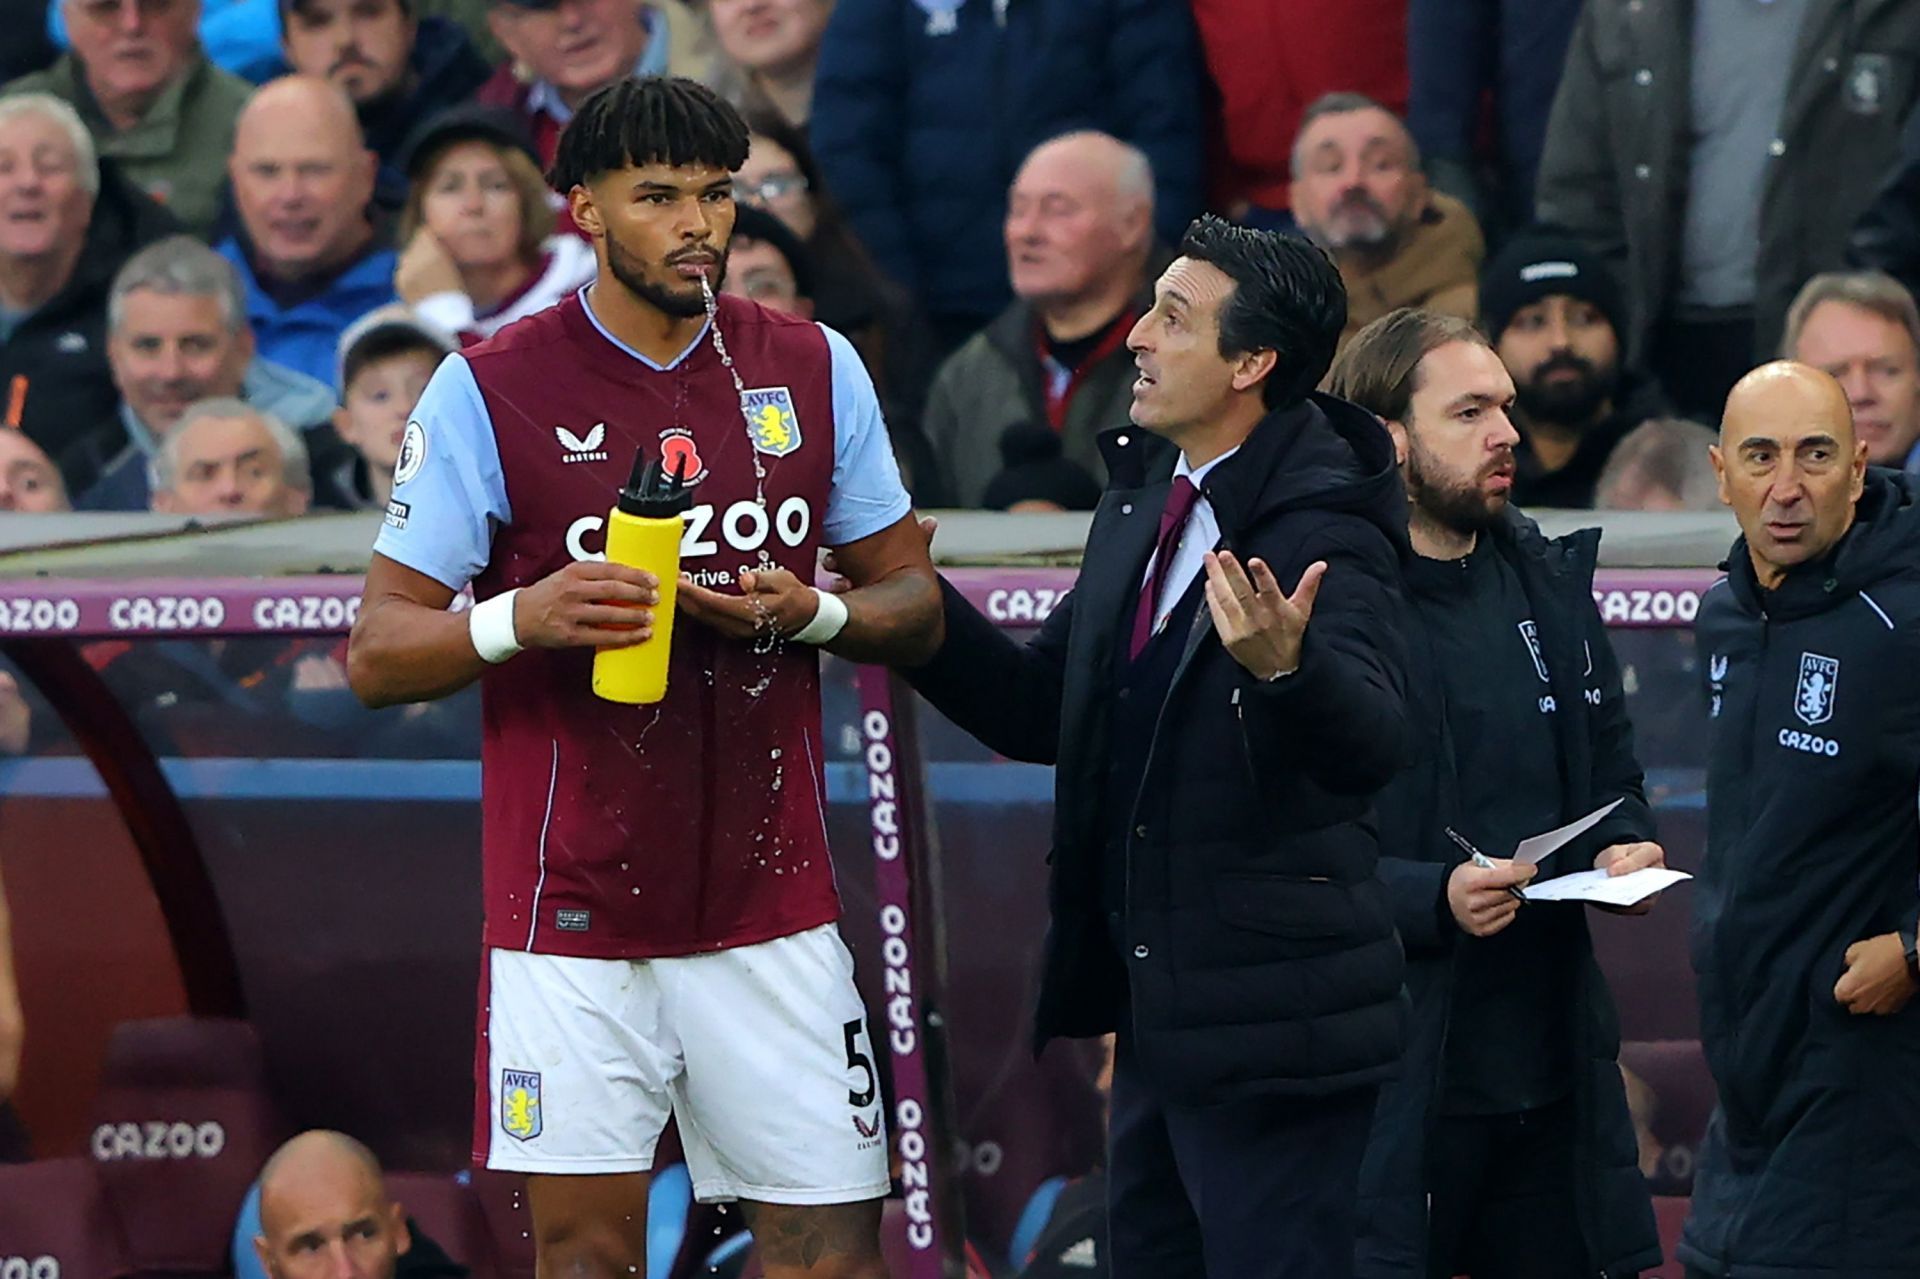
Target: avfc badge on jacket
[{"x": 1813, "y": 695}]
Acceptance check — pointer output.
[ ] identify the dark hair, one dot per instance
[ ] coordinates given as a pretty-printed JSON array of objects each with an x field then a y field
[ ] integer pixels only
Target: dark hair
[
  {"x": 385, "y": 342},
  {"x": 1287, "y": 298},
  {"x": 652, "y": 120},
  {"x": 750, "y": 223},
  {"x": 299, "y": 6},
  {"x": 1380, "y": 369}
]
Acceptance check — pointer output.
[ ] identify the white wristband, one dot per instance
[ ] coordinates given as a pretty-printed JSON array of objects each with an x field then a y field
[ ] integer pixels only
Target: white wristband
[
  {"x": 490, "y": 623},
  {"x": 828, "y": 619}
]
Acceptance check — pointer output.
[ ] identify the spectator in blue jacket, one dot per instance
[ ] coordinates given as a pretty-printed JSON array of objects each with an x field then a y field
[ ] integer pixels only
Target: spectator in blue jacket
[
  {"x": 306, "y": 249},
  {"x": 924, "y": 109}
]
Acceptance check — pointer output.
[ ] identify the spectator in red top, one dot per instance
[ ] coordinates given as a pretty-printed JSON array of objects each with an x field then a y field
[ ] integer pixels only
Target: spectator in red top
[{"x": 1269, "y": 59}]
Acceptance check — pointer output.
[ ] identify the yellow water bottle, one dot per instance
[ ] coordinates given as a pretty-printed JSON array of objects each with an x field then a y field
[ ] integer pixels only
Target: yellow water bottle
[{"x": 643, "y": 532}]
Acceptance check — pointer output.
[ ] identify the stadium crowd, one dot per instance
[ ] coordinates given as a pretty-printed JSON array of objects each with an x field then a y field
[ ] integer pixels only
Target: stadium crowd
[{"x": 237, "y": 238}]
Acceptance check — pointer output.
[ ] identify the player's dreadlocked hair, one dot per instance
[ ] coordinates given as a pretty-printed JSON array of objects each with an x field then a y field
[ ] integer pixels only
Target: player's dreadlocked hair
[{"x": 652, "y": 120}]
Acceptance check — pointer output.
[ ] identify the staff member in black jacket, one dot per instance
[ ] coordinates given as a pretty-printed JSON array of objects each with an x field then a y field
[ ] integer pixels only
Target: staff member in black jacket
[
  {"x": 1505, "y": 1148},
  {"x": 1222, "y": 695},
  {"x": 1804, "y": 912}
]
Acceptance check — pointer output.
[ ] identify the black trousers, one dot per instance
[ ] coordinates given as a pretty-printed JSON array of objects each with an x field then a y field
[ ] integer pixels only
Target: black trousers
[
  {"x": 1502, "y": 1203},
  {"x": 1260, "y": 1189}
]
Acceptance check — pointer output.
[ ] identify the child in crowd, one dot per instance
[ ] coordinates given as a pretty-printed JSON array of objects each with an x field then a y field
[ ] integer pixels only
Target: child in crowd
[{"x": 386, "y": 358}]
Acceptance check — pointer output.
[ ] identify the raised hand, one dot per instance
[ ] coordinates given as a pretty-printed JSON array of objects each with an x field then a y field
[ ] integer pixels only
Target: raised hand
[{"x": 1261, "y": 625}]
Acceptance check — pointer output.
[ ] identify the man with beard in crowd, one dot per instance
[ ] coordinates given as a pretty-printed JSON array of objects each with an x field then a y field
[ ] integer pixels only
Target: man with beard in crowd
[
  {"x": 1553, "y": 312},
  {"x": 1358, "y": 192},
  {"x": 1504, "y": 1148}
]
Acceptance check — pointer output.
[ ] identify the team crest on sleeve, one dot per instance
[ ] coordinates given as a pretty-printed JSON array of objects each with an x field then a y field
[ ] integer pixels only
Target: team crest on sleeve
[
  {"x": 520, "y": 1103},
  {"x": 1813, "y": 694},
  {"x": 413, "y": 453},
  {"x": 771, "y": 421}
]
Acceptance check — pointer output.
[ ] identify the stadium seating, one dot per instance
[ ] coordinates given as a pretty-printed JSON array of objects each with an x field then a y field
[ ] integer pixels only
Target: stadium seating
[
  {"x": 55, "y": 1209},
  {"x": 182, "y": 1122}
]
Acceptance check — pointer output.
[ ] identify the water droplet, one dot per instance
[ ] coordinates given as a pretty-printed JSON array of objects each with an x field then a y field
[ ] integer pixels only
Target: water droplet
[
  {"x": 774, "y": 755},
  {"x": 636, "y": 890},
  {"x": 623, "y": 865}
]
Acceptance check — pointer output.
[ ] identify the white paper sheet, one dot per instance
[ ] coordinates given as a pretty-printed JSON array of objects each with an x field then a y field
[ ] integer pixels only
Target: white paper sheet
[
  {"x": 1535, "y": 848},
  {"x": 1608, "y": 890}
]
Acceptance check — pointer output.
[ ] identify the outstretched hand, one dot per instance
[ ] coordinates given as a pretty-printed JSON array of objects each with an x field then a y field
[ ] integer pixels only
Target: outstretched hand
[{"x": 1261, "y": 625}]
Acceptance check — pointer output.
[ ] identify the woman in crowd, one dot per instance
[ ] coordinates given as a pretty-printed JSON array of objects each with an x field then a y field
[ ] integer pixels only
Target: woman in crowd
[
  {"x": 477, "y": 228},
  {"x": 850, "y": 294}
]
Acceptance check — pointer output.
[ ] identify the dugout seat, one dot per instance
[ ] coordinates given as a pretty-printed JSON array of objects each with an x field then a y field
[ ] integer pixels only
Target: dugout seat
[{"x": 54, "y": 1220}]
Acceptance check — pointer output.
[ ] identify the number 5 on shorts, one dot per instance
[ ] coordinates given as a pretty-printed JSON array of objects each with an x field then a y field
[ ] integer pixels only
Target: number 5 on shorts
[{"x": 857, "y": 1060}]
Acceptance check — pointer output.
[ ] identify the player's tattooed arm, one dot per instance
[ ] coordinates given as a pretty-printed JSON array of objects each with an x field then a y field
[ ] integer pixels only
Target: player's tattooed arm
[
  {"x": 893, "y": 607},
  {"x": 406, "y": 647}
]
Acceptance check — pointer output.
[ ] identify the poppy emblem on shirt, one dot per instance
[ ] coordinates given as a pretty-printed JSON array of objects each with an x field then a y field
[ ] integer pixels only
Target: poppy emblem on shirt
[
  {"x": 520, "y": 1103},
  {"x": 1813, "y": 694},
  {"x": 679, "y": 455},
  {"x": 771, "y": 421}
]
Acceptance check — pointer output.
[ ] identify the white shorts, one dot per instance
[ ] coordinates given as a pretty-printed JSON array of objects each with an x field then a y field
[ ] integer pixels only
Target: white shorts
[{"x": 761, "y": 1052}]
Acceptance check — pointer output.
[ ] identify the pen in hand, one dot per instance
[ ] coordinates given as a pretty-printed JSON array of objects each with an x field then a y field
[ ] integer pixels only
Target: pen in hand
[{"x": 1480, "y": 859}]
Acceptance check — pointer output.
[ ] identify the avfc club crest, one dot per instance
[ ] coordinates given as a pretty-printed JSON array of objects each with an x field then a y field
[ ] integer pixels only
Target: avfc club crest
[
  {"x": 771, "y": 421},
  {"x": 520, "y": 1103},
  {"x": 1813, "y": 694}
]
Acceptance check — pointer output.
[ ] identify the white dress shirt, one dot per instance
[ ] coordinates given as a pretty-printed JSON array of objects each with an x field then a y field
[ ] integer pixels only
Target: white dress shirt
[{"x": 1201, "y": 535}]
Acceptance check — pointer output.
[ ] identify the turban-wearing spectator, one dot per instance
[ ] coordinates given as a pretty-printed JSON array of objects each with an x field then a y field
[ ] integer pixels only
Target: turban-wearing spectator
[
  {"x": 29, "y": 483},
  {"x": 306, "y": 249},
  {"x": 398, "y": 67},
  {"x": 1863, "y": 328},
  {"x": 1553, "y": 312},
  {"x": 477, "y": 227},
  {"x": 228, "y": 458},
  {"x": 1079, "y": 231},
  {"x": 1460, "y": 54},
  {"x": 67, "y": 222},
  {"x": 1269, "y": 60},
  {"x": 1359, "y": 193},
  {"x": 561, "y": 51},
  {"x": 921, "y": 114},
  {"x": 152, "y": 101},
  {"x": 769, "y": 50},
  {"x": 1717, "y": 155},
  {"x": 177, "y": 334},
  {"x": 1662, "y": 465}
]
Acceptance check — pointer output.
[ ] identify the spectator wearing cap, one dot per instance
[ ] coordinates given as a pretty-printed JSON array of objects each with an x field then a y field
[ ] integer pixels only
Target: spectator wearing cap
[
  {"x": 1553, "y": 312},
  {"x": 561, "y": 51},
  {"x": 767, "y": 263},
  {"x": 1358, "y": 193},
  {"x": 30, "y": 484},
  {"x": 226, "y": 457},
  {"x": 769, "y": 52},
  {"x": 385, "y": 361},
  {"x": 1079, "y": 233},
  {"x": 152, "y": 101},
  {"x": 177, "y": 334},
  {"x": 1863, "y": 328},
  {"x": 923, "y": 113},
  {"x": 306, "y": 249},
  {"x": 1717, "y": 155},
  {"x": 1662, "y": 465},
  {"x": 476, "y": 226},
  {"x": 1034, "y": 477},
  {"x": 67, "y": 222},
  {"x": 399, "y": 69}
]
